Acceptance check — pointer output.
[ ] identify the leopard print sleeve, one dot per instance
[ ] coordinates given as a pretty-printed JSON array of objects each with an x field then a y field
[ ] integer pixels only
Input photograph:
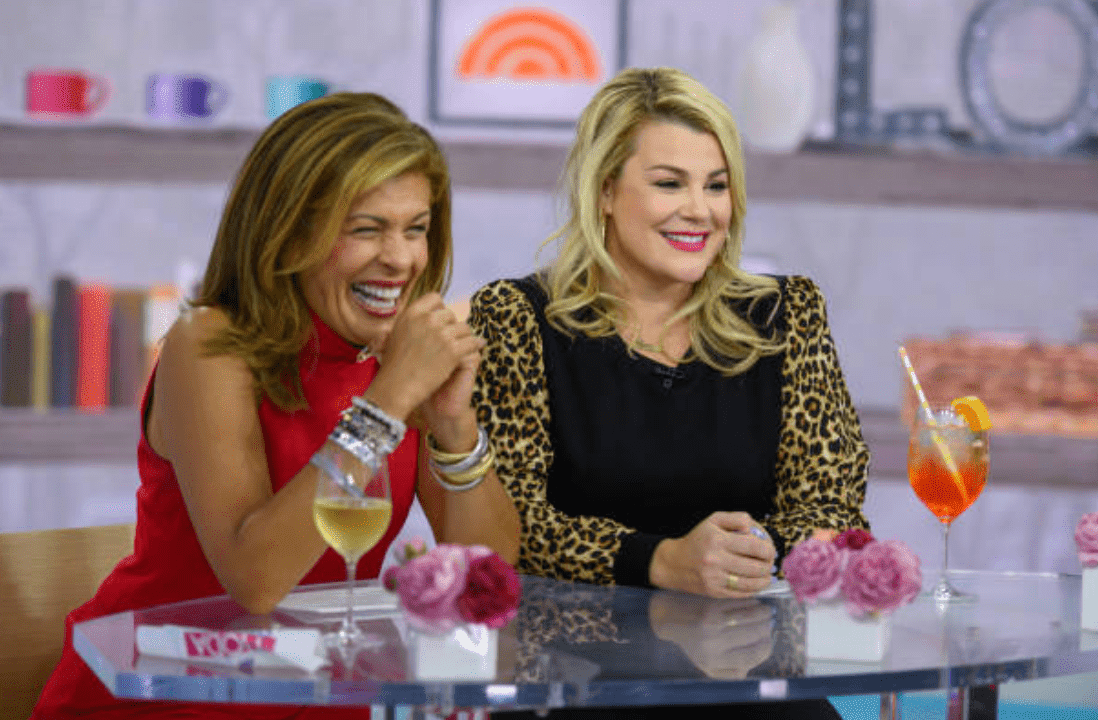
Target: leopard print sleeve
[
  {"x": 822, "y": 457},
  {"x": 512, "y": 403}
]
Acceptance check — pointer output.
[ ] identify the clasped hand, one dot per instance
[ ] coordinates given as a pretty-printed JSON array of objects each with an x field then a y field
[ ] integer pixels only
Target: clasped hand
[
  {"x": 719, "y": 557},
  {"x": 429, "y": 362}
]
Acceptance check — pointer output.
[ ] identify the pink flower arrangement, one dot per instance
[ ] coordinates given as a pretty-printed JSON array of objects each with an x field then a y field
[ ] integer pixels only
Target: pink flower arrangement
[
  {"x": 1086, "y": 540},
  {"x": 871, "y": 576},
  {"x": 446, "y": 586}
]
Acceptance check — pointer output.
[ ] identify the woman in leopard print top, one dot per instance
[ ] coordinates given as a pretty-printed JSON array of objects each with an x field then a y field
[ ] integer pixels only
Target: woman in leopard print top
[{"x": 661, "y": 417}]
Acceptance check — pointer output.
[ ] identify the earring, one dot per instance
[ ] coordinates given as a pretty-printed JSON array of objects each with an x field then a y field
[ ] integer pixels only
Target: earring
[{"x": 602, "y": 228}]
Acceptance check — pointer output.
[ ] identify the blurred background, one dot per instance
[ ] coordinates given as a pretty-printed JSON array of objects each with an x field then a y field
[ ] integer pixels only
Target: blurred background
[{"x": 931, "y": 164}]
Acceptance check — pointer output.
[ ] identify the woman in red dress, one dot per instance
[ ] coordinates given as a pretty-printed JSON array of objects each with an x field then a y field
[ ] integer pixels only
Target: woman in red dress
[{"x": 323, "y": 285}]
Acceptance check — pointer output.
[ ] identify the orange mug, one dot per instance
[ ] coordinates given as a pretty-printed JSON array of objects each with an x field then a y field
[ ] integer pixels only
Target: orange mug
[{"x": 65, "y": 92}]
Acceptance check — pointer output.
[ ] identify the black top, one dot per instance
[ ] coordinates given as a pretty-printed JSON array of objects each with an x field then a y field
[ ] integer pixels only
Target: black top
[
  {"x": 601, "y": 455},
  {"x": 655, "y": 447}
]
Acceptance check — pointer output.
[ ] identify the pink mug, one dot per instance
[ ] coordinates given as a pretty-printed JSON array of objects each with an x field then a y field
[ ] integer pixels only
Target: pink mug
[{"x": 65, "y": 92}]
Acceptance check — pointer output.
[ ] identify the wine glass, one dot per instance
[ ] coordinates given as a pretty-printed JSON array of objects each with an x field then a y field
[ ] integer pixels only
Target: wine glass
[
  {"x": 352, "y": 509},
  {"x": 947, "y": 466}
]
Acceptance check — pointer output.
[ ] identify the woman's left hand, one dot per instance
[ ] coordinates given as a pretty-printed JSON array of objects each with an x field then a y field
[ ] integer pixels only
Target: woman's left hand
[
  {"x": 722, "y": 556},
  {"x": 448, "y": 412}
]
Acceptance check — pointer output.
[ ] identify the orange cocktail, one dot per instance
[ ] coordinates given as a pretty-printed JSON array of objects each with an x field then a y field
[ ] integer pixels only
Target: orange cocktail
[
  {"x": 947, "y": 463},
  {"x": 935, "y": 484}
]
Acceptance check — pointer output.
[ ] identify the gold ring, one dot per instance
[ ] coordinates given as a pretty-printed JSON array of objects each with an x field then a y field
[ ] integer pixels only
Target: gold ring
[{"x": 733, "y": 581}]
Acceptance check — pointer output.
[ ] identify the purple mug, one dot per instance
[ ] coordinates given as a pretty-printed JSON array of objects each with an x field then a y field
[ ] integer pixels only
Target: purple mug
[{"x": 180, "y": 96}]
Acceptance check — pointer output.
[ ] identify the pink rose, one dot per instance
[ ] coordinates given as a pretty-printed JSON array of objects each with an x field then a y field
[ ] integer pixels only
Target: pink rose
[
  {"x": 814, "y": 570},
  {"x": 410, "y": 548},
  {"x": 881, "y": 577},
  {"x": 853, "y": 539},
  {"x": 492, "y": 592},
  {"x": 475, "y": 552},
  {"x": 429, "y": 585},
  {"x": 1086, "y": 539}
]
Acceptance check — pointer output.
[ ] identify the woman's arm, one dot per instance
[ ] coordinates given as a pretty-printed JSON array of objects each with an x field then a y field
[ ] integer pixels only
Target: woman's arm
[
  {"x": 483, "y": 515},
  {"x": 512, "y": 403},
  {"x": 822, "y": 458},
  {"x": 205, "y": 422},
  {"x": 427, "y": 374}
]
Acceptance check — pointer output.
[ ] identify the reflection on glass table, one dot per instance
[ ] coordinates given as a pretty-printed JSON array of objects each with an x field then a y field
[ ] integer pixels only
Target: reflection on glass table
[{"x": 584, "y": 645}]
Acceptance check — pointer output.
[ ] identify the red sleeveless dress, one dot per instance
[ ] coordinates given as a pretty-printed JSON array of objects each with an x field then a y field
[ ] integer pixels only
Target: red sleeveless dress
[{"x": 168, "y": 565}]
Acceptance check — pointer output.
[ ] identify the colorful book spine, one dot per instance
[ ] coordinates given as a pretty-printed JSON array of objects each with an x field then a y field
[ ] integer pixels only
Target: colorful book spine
[
  {"x": 15, "y": 355},
  {"x": 63, "y": 343},
  {"x": 128, "y": 361},
  {"x": 93, "y": 346},
  {"x": 40, "y": 364}
]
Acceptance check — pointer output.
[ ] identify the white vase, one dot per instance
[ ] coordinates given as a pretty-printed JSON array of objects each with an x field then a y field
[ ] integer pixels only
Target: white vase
[
  {"x": 1088, "y": 603},
  {"x": 468, "y": 652},
  {"x": 776, "y": 83},
  {"x": 835, "y": 634}
]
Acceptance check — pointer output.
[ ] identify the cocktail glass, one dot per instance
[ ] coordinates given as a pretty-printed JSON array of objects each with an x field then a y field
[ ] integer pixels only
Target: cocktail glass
[{"x": 947, "y": 465}]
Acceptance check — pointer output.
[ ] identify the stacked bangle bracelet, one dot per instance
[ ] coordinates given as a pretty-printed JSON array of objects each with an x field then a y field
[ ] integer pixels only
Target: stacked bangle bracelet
[
  {"x": 367, "y": 432},
  {"x": 461, "y": 471}
]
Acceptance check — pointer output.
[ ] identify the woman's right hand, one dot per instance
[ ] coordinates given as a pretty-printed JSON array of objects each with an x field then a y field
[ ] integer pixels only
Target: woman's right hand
[
  {"x": 719, "y": 557},
  {"x": 426, "y": 346}
]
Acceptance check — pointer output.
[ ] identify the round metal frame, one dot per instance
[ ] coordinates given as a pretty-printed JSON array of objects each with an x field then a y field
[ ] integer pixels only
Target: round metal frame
[{"x": 1050, "y": 138}]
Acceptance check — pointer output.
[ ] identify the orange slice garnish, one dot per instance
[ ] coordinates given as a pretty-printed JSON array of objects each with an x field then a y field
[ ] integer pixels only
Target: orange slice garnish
[{"x": 973, "y": 410}]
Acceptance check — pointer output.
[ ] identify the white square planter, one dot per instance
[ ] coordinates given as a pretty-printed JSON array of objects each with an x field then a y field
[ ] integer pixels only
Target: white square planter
[
  {"x": 468, "y": 652},
  {"x": 1088, "y": 603},
  {"x": 833, "y": 634}
]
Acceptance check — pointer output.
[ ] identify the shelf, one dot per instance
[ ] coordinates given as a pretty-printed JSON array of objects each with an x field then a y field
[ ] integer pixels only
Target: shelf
[
  {"x": 69, "y": 436},
  {"x": 110, "y": 437},
  {"x": 819, "y": 172}
]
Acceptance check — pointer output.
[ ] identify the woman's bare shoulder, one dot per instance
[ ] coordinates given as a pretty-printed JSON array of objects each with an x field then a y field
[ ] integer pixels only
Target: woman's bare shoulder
[
  {"x": 196, "y": 325},
  {"x": 185, "y": 345}
]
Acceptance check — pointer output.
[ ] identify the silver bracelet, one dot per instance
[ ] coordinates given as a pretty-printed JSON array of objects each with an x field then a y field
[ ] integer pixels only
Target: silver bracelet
[
  {"x": 367, "y": 432},
  {"x": 475, "y": 455},
  {"x": 394, "y": 428},
  {"x": 324, "y": 464},
  {"x": 453, "y": 487}
]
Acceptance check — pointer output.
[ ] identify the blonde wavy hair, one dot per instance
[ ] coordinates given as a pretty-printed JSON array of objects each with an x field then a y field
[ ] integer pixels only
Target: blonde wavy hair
[
  {"x": 284, "y": 213},
  {"x": 721, "y": 335}
]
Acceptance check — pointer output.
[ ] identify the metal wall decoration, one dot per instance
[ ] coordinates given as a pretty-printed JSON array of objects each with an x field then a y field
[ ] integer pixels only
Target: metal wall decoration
[{"x": 857, "y": 122}]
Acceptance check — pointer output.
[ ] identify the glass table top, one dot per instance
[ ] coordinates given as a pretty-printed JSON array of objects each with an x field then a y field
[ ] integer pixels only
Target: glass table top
[{"x": 582, "y": 645}]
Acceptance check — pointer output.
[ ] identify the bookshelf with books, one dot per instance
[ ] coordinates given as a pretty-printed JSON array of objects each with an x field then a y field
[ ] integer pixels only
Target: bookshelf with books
[
  {"x": 73, "y": 367},
  {"x": 123, "y": 154}
]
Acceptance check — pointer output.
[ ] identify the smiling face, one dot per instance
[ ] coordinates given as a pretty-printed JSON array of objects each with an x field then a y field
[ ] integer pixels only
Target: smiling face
[
  {"x": 380, "y": 251},
  {"x": 667, "y": 213}
]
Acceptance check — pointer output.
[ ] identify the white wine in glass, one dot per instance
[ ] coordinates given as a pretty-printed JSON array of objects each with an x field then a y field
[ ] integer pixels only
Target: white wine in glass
[{"x": 352, "y": 509}]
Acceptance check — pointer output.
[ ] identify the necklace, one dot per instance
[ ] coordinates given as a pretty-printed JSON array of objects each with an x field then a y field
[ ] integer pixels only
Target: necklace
[{"x": 649, "y": 347}]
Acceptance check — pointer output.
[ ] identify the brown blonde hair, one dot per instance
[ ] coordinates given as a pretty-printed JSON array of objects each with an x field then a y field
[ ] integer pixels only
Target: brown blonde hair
[
  {"x": 283, "y": 215},
  {"x": 721, "y": 336}
]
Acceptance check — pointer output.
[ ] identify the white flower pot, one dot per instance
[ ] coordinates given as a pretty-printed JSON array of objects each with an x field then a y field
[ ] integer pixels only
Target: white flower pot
[
  {"x": 834, "y": 634},
  {"x": 1088, "y": 604},
  {"x": 468, "y": 652}
]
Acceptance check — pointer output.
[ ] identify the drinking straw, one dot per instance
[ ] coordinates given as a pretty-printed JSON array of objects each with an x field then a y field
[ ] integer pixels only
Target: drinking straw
[{"x": 932, "y": 422}]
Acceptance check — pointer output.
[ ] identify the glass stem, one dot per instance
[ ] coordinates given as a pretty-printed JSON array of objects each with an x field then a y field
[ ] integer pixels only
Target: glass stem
[
  {"x": 349, "y": 620},
  {"x": 945, "y": 553}
]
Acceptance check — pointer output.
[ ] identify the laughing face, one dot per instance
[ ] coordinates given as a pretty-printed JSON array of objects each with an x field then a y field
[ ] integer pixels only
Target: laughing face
[
  {"x": 668, "y": 211},
  {"x": 380, "y": 251}
]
